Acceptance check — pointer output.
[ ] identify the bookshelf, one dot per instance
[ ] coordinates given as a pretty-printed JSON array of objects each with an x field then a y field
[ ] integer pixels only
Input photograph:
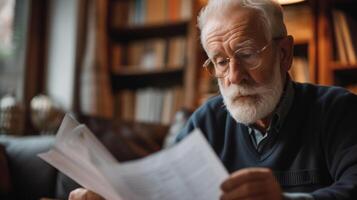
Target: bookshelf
[
  {"x": 313, "y": 26},
  {"x": 152, "y": 47},
  {"x": 299, "y": 20},
  {"x": 131, "y": 33},
  {"x": 337, "y": 55},
  {"x": 162, "y": 54}
]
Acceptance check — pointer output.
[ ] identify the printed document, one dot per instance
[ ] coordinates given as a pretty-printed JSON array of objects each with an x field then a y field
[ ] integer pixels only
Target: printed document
[{"x": 188, "y": 170}]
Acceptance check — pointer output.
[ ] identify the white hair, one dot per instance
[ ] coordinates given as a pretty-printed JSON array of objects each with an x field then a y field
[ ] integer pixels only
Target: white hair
[{"x": 271, "y": 14}]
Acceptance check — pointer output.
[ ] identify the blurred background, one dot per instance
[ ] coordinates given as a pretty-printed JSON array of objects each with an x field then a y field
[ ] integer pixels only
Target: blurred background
[{"x": 140, "y": 60}]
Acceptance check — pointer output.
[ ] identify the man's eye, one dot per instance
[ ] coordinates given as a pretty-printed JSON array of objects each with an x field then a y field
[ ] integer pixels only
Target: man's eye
[
  {"x": 221, "y": 62},
  {"x": 245, "y": 55}
]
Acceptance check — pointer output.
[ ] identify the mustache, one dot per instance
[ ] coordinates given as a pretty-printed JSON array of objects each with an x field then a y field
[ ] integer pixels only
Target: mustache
[{"x": 234, "y": 91}]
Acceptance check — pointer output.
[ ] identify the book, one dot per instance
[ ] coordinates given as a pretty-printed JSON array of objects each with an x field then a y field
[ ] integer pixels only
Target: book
[
  {"x": 149, "y": 12},
  {"x": 167, "y": 107},
  {"x": 147, "y": 54},
  {"x": 186, "y": 9},
  {"x": 173, "y": 9},
  {"x": 155, "y": 11},
  {"x": 352, "y": 26},
  {"x": 188, "y": 170},
  {"x": 127, "y": 104},
  {"x": 176, "y": 52},
  {"x": 341, "y": 47},
  {"x": 120, "y": 12},
  {"x": 346, "y": 35},
  {"x": 300, "y": 70}
]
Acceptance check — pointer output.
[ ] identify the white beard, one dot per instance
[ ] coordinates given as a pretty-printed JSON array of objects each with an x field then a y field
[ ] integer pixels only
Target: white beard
[{"x": 248, "y": 110}]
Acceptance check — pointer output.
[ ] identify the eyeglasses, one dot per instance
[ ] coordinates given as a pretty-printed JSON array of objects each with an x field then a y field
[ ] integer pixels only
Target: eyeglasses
[{"x": 248, "y": 58}]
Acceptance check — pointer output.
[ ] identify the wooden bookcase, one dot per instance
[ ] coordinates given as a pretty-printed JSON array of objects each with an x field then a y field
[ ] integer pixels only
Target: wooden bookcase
[
  {"x": 311, "y": 23},
  {"x": 332, "y": 70},
  {"x": 144, "y": 56},
  {"x": 299, "y": 20}
]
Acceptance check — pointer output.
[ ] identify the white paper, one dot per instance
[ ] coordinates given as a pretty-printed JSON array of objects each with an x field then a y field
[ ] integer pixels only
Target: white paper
[
  {"x": 188, "y": 170},
  {"x": 70, "y": 155}
]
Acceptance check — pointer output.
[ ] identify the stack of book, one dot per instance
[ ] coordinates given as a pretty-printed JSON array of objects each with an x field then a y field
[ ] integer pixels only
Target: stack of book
[
  {"x": 152, "y": 105},
  {"x": 157, "y": 53},
  {"x": 139, "y": 12}
]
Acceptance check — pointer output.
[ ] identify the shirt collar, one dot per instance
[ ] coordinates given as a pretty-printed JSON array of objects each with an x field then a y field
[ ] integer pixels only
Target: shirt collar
[{"x": 282, "y": 109}]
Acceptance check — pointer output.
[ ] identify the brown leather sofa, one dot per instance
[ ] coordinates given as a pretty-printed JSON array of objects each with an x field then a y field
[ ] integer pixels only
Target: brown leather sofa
[{"x": 25, "y": 176}]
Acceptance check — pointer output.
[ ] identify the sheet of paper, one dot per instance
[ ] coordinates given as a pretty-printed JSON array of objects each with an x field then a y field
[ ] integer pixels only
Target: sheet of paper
[
  {"x": 70, "y": 155},
  {"x": 189, "y": 170}
]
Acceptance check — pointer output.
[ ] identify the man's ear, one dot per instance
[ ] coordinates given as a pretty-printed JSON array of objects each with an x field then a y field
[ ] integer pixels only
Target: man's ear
[{"x": 286, "y": 52}]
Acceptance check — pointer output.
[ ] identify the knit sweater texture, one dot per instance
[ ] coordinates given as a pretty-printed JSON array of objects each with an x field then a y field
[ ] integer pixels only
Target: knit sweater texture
[{"x": 314, "y": 151}]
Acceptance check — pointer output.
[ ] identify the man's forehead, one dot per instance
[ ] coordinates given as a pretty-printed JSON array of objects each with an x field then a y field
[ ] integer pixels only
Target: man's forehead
[
  {"x": 240, "y": 26},
  {"x": 238, "y": 20}
]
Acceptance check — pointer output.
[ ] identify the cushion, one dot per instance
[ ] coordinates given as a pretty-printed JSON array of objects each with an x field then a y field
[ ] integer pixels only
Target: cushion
[
  {"x": 31, "y": 177},
  {"x": 5, "y": 183}
]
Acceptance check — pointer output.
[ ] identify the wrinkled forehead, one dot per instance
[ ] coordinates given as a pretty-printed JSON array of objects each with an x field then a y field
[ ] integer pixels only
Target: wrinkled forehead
[{"x": 240, "y": 23}]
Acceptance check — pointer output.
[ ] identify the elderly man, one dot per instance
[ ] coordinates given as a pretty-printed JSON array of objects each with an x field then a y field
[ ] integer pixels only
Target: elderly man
[{"x": 279, "y": 139}]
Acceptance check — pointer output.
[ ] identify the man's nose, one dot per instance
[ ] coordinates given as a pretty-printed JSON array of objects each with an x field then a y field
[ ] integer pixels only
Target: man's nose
[{"x": 236, "y": 72}]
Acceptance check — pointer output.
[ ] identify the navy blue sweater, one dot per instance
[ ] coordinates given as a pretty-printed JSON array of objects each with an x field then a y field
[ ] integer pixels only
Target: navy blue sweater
[{"x": 315, "y": 150}]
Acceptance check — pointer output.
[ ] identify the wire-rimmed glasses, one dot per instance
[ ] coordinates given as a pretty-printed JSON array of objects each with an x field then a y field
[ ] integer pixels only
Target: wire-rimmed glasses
[{"x": 248, "y": 57}]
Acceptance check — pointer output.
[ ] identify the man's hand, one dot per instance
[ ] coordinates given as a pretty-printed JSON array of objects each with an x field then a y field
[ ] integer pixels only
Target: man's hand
[
  {"x": 83, "y": 194},
  {"x": 251, "y": 183}
]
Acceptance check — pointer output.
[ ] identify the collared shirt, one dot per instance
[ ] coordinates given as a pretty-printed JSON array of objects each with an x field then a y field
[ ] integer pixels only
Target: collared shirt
[{"x": 259, "y": 139}]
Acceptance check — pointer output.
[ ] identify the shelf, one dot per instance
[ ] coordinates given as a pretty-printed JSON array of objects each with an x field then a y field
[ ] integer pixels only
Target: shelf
[
  {"x": 343, "y": 66},
  {"x": 131, "y": 33},
  {"x": 139, "y": 78},
  {"x": 345, "y": 77},
  {"x": 346, "y": 5},
  {"x": 137, "y": 71},
  {"x": 301, "y": 41},
  {"x": 343, "y": 2}
]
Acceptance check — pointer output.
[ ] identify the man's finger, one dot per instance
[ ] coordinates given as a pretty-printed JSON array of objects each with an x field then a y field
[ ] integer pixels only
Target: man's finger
[
  {"x": 248, "y": 190},
  {"x": 77, "y": 194},
  {"x": 93, "y": 196},
  {"x": 245, "y": 175},
  {"x": 83, "y": 194}
]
